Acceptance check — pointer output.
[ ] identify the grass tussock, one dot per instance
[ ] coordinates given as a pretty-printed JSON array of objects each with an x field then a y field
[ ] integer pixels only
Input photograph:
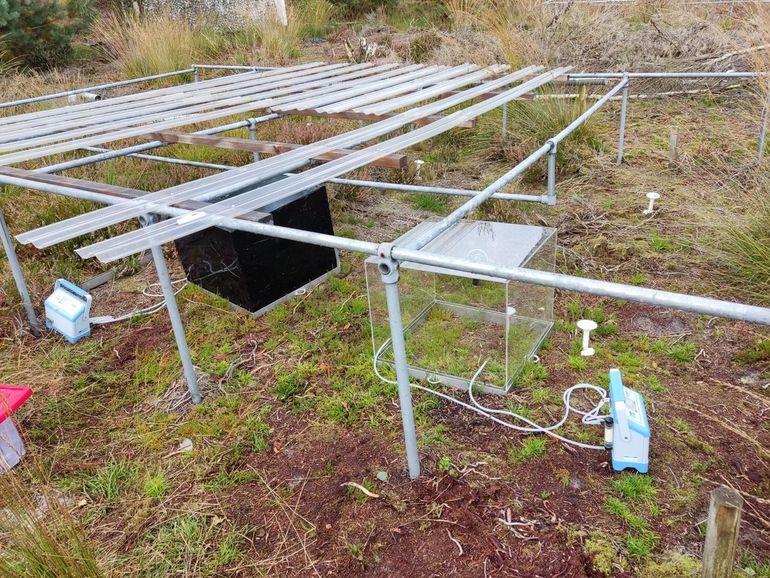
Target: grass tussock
[
  {"x": 162, "y": 43},
  {"x": 316, "y": 18},
  {"x": 745, "y": 247},
  {"x": 38, "y": 535},
  {"x": 531, "y": 124},
  {"x": 278, "y": 43},
  {"x": 515, "y": 24}
]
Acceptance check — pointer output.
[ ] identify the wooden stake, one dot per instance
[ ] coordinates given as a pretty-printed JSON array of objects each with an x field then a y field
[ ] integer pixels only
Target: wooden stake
[
  {"x": 582, "y": 96},
  {"x": 673, "y": 137},
  {"x": 724, "y": 522}
]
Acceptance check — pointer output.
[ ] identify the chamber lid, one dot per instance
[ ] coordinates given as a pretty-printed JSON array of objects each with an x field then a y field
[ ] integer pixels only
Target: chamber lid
[
  {"x": 503, "y": 244},
  {"x": 12, "y": 397}
]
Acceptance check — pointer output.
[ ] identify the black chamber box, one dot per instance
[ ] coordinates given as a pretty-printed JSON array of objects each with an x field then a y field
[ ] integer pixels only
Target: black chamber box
[{"x": 256, "y": 272}]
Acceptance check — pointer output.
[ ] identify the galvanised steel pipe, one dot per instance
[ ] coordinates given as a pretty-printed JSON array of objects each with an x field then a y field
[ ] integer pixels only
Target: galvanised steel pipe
[
  {"x": 681, "y": 75},
  {"x": 389, "y": 273},
  {"x": 623, "y": 114},
  {"x": 552, "y": 175},
  {"x": 176, "y": 323},
  {"x": 18, "y": 276},
  {"x": 350, "y": 182},
  {"x": 147, "y": 146},
  {"x": 94, "y": 88},
  {"x": 763, "y": 127},
  {"x": 437, "y": 190},
  {"x": 169, "y": 160},
  {"x": 666, "y": 299},
  {"x": 232, "y": 67}
]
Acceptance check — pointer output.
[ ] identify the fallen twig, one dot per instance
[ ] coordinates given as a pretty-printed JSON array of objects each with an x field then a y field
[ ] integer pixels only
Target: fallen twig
[
  {"x": 360, "y": 488},
  {"x": 457, "y": 543}
]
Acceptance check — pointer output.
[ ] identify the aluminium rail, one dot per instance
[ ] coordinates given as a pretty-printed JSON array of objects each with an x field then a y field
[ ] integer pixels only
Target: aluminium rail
[
  {"x": 139, "y": 106},
  {"x": 119, "y": 102},
  {"x": 238, "y": 179},
  {"x": 161, "y": 121},
  {"x": 264, "y": 195},
  {"x": 233, "y": 101},
  {"x": 94, "y": 88}
]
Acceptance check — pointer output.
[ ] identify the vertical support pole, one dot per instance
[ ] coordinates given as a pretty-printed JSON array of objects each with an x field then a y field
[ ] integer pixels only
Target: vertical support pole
[
  {"x": 389, "y": 272},
  {"x": 18, "y": 276},
  {"x": 253, "y": 135},
  {"x": 552, "y": 174},
  {"x": 623, "y": 111},
  {"x": 176, "y": 323},
  {"x": 724, "y": 521},
  {"x": 196, "y": 74},
  {"x": 505, "y": 122},
  {"x": 763, "y": 127}
]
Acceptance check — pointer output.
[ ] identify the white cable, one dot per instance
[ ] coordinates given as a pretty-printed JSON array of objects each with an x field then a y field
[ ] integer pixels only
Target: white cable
[
  {"x": 146, "y": 292},
  {"x": 105, "y": 319},
  {"x": 590, "y": 417}
]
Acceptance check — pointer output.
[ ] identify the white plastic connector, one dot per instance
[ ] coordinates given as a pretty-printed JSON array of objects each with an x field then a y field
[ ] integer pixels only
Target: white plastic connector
[
  {"x": 587, "y": 325},
  {"x": 651, "y": 207},
  {"x": 418, "y": 163}
]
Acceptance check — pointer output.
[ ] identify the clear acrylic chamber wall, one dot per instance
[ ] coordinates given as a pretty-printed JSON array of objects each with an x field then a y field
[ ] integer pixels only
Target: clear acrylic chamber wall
[{"x": 455, "y": 321}]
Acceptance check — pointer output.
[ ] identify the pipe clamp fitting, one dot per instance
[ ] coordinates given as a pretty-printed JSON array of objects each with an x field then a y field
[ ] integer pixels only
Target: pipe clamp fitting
[{"x": 386, "y": 264}]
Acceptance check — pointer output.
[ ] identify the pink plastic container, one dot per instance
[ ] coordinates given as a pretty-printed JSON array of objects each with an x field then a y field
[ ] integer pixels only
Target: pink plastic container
[{"x": 12, "y": 397}]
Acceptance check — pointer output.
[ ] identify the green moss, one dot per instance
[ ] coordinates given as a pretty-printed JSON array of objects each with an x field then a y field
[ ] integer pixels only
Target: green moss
[
  {"x": 634, "y": 486},
  {"x": 671, "y": 565},
  {"x": 605, "y": 559},
  {"x": 759, "y": 353},
  {"x": 156, "y": 485},
  {"x": 531, "y": 448}
]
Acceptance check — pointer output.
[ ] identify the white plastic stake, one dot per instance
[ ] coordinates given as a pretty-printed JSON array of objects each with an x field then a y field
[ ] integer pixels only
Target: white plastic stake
[
  {"x": 418, "y": 170},
  {"x": 587, "y": 325},
  {"x": 651, "y": 207}
]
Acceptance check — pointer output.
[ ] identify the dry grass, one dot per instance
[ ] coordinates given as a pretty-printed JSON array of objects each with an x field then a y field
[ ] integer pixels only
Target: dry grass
[
  {"x": 19, "y": 85},
  {"x": 316, "y": 18},
  {"x": 38, "y": 534},
  {"x": 745, "y": 247},
  {"x": 279, "y": 43},
  {"x": 146, "y": 46},
  {"x": 516, "y": 24}
]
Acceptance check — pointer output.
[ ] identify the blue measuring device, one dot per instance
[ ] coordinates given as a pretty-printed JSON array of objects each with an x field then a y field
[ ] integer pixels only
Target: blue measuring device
[{"x": 628, "y": 432}]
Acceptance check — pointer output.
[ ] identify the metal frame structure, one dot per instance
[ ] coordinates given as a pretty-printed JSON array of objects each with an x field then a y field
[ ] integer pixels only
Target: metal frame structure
[{"x": 431, "y": 99}]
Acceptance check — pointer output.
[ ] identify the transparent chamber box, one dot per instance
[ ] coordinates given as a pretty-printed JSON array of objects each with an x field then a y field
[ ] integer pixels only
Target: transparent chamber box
[{"x": 455, "y": 321}]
